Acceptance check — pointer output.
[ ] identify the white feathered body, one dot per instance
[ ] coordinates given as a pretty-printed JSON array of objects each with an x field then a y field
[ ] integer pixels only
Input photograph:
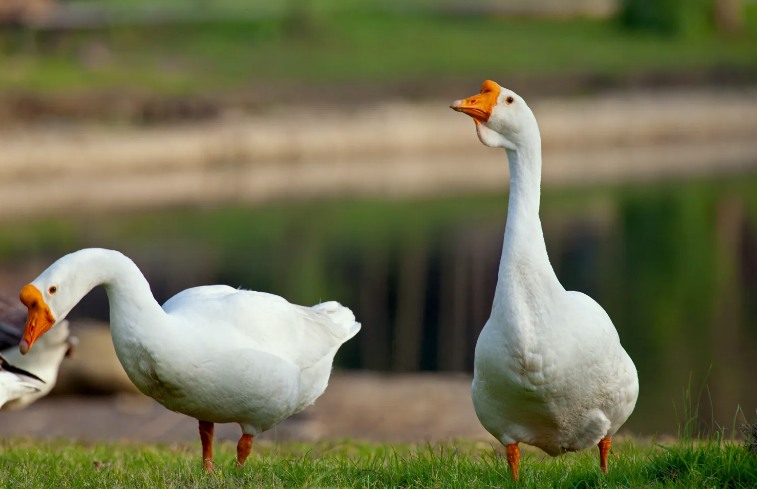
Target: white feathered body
[
  {"x": 549, "y": 367},
  {"x": 234, "y": 355},
  {"x": 14, "y": 387},
  {"x": 44, "y": 362},
  {"x": 541, "y": 380},
  {"x": 215, "y": 353}
]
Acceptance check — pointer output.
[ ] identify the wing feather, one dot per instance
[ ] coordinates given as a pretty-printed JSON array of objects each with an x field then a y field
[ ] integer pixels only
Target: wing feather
[{"x": 260, "y": 321}]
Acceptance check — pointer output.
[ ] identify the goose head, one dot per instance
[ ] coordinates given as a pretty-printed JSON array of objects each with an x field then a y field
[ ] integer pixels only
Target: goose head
[
  {"x": 49, "y": 298},
  {"x": 502, "y": 117}
]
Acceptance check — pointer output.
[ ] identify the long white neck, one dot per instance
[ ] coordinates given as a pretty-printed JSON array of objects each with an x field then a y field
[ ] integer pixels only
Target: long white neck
[
  {"x": 526, "y": 280},
  {"x": 138, "y": 325},
  {"x": 132, "y": 305},
  {"x": 133, "y": 309}
]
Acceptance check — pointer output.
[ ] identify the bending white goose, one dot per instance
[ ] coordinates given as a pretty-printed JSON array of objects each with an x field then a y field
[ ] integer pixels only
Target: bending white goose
[
  {"x": 549, "y": 367},
  {"x": 214, "y": 353},
  {"x": 16, "y": 383},
  {"x": 44, "y": 362}
]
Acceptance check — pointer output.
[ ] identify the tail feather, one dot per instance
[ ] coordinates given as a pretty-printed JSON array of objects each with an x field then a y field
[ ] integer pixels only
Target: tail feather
[{"x": 341, "y": 316}]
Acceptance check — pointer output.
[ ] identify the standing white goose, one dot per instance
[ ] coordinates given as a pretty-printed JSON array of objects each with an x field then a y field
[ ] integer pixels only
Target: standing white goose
[
  {"x": 214, "y": 353},
  {"x": 549, "y": 367}
]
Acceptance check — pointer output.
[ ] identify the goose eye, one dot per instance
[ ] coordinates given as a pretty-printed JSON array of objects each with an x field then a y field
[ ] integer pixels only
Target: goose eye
[
  {"x": 52, "y": 289},
  {"x": 509, "y": 100}
]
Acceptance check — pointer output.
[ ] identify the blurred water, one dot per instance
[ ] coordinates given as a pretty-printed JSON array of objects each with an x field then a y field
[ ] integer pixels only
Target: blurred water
[{"x": 675, "y": 266}]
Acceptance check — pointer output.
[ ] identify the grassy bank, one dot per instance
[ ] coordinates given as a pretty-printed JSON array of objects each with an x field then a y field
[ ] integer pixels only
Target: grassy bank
[
  {"x": 348, "y": 46},
  {"x": 27, "y": 463}
]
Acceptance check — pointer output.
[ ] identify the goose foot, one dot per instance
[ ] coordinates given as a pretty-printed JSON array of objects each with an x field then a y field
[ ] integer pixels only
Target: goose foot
[
  {"x": 604, "y": 451},
  {"x": 206, "y": 437},
  {"x": 243, "y": 448},
  {"x": 513, "y": 458}
]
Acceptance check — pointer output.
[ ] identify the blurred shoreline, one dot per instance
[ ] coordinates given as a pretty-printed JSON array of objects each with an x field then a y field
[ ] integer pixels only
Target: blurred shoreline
[
  {"x": 358, "y": 405},
  {"x": 388, "y": 149}
]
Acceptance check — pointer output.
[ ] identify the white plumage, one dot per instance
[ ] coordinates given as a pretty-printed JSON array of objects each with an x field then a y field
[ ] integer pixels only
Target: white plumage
[
  {"x": 549, "y": 367},
  {"x": 16, "y": 383},
  {"x": 215, "y": 353},
  {"x": 44, "y": 362}
]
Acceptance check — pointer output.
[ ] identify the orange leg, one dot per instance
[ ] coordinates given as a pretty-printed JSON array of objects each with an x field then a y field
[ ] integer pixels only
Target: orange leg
[
  {"x": 513, "y": 458},
  {"x": 206, "y": 436},
  {"x": 243, "y": 448},
  {"x": 604, "y": 451}
]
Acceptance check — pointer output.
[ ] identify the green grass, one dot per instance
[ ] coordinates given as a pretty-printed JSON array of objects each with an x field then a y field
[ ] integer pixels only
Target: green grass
[
  {"x": 348, "y": 46},
  {"x": 27, "y": 463}
]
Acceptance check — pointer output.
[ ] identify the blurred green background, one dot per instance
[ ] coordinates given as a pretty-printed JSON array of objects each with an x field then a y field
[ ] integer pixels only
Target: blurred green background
[
  {"x": 672, "y": 256},
  {"x": 278, "y": 52}
]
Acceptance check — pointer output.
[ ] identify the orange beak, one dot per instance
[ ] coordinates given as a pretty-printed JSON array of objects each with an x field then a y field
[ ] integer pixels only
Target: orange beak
[
  {"x": 479, "y": 106},
  {"x": 39, "y": 320}
]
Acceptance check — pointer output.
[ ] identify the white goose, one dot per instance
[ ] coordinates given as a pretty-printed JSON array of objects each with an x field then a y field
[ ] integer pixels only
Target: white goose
[
  {"x": 16, "y": 383},
  {"x": 549, "y": 368},
  {"x": 44, "y": 361},
  {"x": 214, "y": 353}
]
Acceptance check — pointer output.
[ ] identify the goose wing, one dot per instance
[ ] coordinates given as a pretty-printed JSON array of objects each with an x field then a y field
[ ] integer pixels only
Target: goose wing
[{"x": 260, "y": 321}]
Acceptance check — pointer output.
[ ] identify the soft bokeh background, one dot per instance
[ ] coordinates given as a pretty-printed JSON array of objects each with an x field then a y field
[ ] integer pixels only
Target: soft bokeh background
[{"x": 305, "y": 148}]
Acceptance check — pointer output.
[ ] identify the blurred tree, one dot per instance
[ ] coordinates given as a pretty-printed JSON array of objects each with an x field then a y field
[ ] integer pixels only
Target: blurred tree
[
  {"x": 300, "y": 19},
  {"x": 729, "y": 16},
  {"x": 673, "y": 17}
]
